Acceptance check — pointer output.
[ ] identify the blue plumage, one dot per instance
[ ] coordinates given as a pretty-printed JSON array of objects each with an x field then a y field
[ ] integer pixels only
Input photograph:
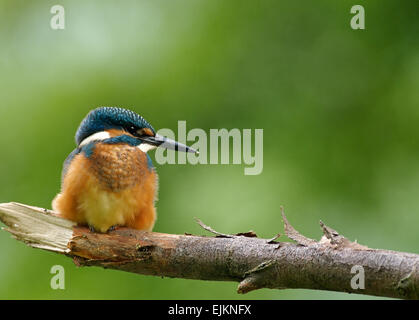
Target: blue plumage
[
  {"x": 104, "y": 118},
  {"x": 68, "y": 161},
  {"x": 123, "y": 139}
]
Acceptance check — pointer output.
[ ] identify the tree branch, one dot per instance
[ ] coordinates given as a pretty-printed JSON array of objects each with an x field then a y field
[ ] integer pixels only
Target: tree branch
[{"x": 253, "y": 262}]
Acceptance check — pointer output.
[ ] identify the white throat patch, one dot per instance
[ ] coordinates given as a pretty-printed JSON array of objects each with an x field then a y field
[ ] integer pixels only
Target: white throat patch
[{"x": 144, "y": 147}]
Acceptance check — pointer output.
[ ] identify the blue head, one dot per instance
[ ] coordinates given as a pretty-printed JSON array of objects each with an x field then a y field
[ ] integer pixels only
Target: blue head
[
  {"x": 136, "y": 130},
  {"x": 106, "y": 118}
]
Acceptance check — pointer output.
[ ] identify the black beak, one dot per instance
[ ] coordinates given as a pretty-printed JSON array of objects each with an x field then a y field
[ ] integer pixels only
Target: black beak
[{"x": 163, "y": 142}]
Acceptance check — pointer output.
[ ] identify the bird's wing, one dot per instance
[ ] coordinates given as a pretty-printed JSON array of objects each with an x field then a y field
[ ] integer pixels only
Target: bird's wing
[{"x": 67, "y": 162}]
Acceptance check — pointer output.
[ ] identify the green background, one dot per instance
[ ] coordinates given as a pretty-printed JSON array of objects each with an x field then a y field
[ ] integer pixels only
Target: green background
[{"x": 339, "y": 109}]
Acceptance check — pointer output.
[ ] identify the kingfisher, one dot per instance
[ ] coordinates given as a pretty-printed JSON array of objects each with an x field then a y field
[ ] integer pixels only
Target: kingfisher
[{"x": 109, "y": 179}]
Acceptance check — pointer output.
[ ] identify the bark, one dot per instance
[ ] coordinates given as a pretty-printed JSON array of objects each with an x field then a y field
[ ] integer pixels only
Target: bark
[{"x": 253, "y": 262}]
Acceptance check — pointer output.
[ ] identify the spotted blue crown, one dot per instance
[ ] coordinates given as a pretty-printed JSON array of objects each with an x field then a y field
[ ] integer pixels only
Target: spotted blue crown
[{"x": 105, "y": 118}]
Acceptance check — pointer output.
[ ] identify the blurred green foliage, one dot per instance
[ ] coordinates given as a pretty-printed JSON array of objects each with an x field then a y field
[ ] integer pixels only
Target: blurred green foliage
[{"x": 339, "y": 109}]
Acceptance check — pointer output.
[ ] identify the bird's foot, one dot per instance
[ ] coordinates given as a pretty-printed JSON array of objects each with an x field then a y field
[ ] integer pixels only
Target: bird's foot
[
  {"x": 92, "y": 229},
  {"x": 112, "y": 228}
]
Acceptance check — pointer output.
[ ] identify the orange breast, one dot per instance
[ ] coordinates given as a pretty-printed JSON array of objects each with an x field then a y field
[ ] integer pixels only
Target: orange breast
[{"x": 114, "y": 186}]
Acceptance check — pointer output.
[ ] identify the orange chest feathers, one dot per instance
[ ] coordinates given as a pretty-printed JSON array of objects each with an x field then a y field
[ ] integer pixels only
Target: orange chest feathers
[{"x": 107, "y": 186}]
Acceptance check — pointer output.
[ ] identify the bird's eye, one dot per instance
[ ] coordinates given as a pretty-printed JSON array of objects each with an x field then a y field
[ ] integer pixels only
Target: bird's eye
[{"x": 133, "y": 130}]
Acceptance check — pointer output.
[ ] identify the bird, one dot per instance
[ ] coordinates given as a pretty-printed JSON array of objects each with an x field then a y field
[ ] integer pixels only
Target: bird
[{"x": 109, "y": 180}]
